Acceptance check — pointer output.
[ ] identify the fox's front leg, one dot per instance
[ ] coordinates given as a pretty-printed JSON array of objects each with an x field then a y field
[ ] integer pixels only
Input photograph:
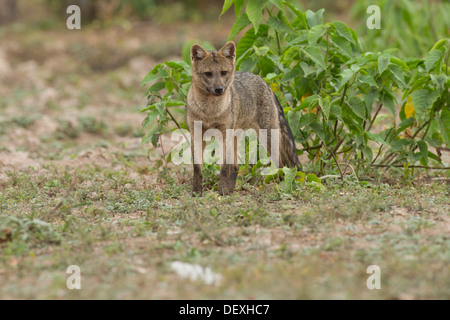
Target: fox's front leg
[
  {"x": 197, "y": 179},
  {"x": 229, "y": 169}
]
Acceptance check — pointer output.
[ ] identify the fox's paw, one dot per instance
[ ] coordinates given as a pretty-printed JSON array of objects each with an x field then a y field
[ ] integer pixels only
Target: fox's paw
[
  {"x": 196, "y": 192},
  {"x": 224, "y": 191}
]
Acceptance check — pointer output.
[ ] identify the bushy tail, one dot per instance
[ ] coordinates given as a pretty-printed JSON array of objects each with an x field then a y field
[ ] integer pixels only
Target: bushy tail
[{"x": 288, "y": 153}]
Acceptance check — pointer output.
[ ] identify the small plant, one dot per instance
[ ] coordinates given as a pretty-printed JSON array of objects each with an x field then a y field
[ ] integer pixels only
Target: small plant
[{"x": 28, "y": 230}]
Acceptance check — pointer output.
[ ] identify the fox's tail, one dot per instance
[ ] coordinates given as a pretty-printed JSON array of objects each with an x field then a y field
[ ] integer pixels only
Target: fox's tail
[{"x": 288, "y": 151}]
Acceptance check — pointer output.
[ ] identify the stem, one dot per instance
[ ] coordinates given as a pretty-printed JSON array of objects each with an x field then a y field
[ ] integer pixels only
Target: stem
[
  {"x": 339, "y": 167},
  {"x": 338, "y": 144},
  {"x": 374, "y": 117},
  {"x": 318, "y": 146},
  {"x": 160, "y": 142},
  {"x": 381, "y": 148},
  {"x": 423, "y": 126},
  {"x": 177, "y": 124},
  {"x": 343, "y": 95}
]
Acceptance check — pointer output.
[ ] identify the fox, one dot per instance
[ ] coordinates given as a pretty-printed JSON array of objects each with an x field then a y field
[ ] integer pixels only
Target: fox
[{"x": 222, "y": 98}]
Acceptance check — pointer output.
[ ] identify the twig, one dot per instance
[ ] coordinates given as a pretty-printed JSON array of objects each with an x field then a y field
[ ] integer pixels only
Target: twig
[
  {"x": 60, "y": 203},
  {"x": 339, "y": 167},
  {"x": 338, "y": 145},
  {"x": 160, "y": 142},
  {"x": 351, "y": 167},
  {"x": 343, "y": 95},
  {"x": 374, "y": 117},
  {"x": 176, "y": 123}
]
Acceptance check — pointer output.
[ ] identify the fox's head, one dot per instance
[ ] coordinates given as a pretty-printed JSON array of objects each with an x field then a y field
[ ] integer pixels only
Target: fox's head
[{"x": 213, "y": 71}]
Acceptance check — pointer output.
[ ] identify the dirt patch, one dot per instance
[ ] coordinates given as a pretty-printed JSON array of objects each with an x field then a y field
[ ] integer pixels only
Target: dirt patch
[{"x": 17, "y": 161}]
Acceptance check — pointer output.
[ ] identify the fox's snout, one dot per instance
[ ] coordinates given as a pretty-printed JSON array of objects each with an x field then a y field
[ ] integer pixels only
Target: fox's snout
[{"x": 218, "y": 90}]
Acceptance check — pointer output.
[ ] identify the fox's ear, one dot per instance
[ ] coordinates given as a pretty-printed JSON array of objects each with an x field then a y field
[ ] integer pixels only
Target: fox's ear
[
  {"x": 229, "y": 50},
  {"x": 197, "y": 53}
]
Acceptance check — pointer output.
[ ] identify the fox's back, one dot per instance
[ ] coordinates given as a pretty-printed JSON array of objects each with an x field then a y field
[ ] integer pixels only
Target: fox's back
[{"x": 251, "y": 98}]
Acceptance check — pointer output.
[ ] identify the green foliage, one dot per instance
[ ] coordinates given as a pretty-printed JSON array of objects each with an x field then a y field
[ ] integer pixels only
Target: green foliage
[
  {"x": 340, "y": 101},
  {"x": 411, "y": 26},
  {"x": 28, "y": 230},
  {"x": 171, "y": 82}
]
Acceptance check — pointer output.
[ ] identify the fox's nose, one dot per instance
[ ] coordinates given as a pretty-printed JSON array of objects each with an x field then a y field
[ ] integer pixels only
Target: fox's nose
[{"x": 218, "y": 90}]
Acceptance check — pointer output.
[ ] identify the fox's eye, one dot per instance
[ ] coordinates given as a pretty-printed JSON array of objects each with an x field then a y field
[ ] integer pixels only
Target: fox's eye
[
  {"x": 208, "y": 74},
  {"x": 224, "y": 73}
]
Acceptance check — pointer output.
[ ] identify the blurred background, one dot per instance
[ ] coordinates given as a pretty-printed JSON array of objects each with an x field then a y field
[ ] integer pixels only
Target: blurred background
[{"x": 68, "y": 94}]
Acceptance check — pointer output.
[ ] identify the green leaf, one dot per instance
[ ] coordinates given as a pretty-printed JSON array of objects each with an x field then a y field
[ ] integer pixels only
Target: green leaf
[
  {"x": 151, "y": 116},
  {"x": 278, "y": 4},
  {"x": 400, "y": 63},
  {"x": 279, "y": 26},
  {"x": 306, "y": 120},
  {"x": 315, "y": 33},
  {"x": 346, "y": 75},
  {"x": 293, "y": 119},
  {"x": 325, "y": 105},
  {"x": 314, "y": 18},
  {"x": 173, "y": 103},
  {"x": 434, "y": 157},
  {"x": 150, "y": 77},
  {"x": 421, "y": 101},
  {"x": 439, "y": 81},
  {"x": 343, "y": 45},
  {"x": 307, "y": 69},
  {"x": 343, "y": 30},
  {"x": 316, "y": 55},
  {"x": 289, "y": 175},
  {"x": 149, "y": 135},
  {"x": 240, "y": 24},
  {"x": 398, "y": 75},
  {"x": 376, "y": 137},
  {"x": 358, "y": 107},
  {"x": 318, "y": 129},
  {"x": 248, "y": 64},
  {"x": 388, "y": 101},
  {"x": 226, "y": 5},
  {"x": 293, "y": 73},
  {"x": 401, "y": 144},
  {"x": 238, "y": 4},
  {"x": 444, "y": 123},
  {"x": 336, "y": 111},
  {"x": 248, "y": 39},
  {"x": 432, "y": 57},
  {"x": 423, "y": 150},
  {"x": 383, "y": 63},
  {"x": 367, "y": 78},
  {"x": 179, "y": 65},
  {"x": 367, "y": 152},
  {"x": 156, "y": 87},
  {"x": 254, "y": 10},
  {"x": 311, "y": 177}
]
